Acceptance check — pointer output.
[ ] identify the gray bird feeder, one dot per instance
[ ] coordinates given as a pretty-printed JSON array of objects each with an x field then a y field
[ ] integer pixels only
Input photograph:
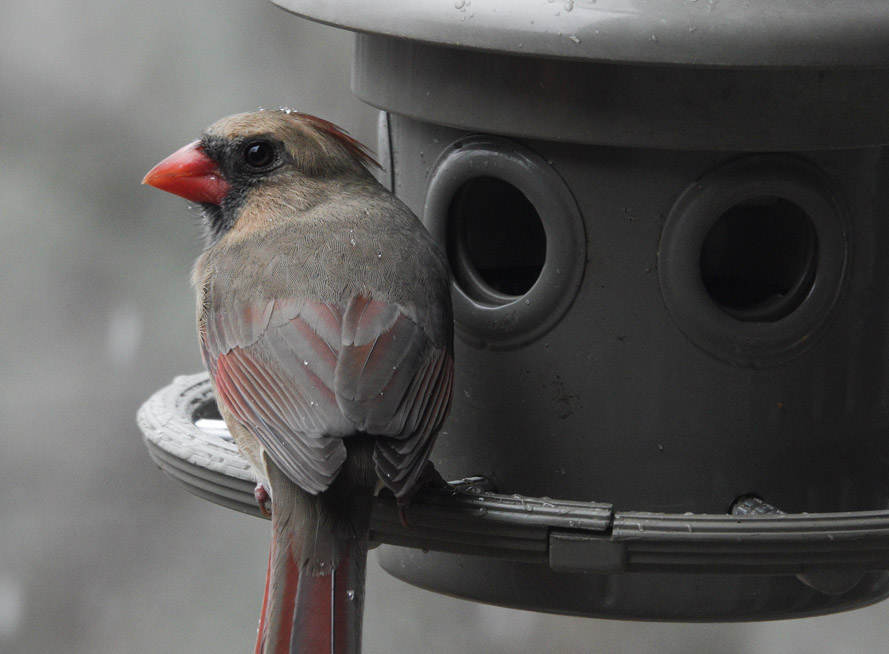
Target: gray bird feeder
[{"x": 667, "y": 227}]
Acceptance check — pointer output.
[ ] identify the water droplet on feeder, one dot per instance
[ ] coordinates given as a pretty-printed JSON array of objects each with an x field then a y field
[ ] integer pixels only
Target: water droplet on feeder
[{"x": 350, "y": 594}]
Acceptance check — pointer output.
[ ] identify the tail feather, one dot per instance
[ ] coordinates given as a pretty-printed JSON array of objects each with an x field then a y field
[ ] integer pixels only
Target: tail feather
[
  {"x": 348, "y": 605},
  {"x": 315, "y": 590},
  {"x": 260, "y": 634},
  {"x": 329, "y": 608},
  {"x": 279, "y": 602}
]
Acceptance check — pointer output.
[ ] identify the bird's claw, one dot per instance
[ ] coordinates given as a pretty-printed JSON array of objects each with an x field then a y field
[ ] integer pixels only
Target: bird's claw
[
  {"x": 429, "y": 477},
  {"x": 402, "y": 503},
  {"x": 262, "y": 498}
]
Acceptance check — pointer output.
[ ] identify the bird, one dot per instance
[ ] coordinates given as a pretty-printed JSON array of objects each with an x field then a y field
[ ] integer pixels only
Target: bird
[{"x": 324, "y": 319}]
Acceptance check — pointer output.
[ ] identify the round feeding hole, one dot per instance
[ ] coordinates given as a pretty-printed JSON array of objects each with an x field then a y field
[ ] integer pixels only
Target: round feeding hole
[
  {"x": 752, "y": 259},
  {"x": 759, "y": 259},
  {"x": 496, "y": 240},
  {"x": 514, "y": 237}
]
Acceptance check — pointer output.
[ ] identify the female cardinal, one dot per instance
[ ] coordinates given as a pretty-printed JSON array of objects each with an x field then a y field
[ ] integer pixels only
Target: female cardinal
[{"x": 325, "y": 322}]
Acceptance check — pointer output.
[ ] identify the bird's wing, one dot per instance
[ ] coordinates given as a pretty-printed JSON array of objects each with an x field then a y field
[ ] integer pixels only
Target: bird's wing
[
  {"x": 301, "y": 375},
  {"x": 394, "y": 382},
  {"x": 273, "y": 364}
]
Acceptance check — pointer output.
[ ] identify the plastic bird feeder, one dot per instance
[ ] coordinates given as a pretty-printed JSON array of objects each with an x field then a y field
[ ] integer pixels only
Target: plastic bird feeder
[{"x": 666, "y": 223}]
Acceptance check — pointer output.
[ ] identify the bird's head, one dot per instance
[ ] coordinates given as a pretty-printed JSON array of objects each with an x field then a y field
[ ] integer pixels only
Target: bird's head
[{"x": 262, "y": 157}]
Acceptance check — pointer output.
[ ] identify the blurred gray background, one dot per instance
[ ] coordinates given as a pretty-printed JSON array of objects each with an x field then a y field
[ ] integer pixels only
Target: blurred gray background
[{"x": 99, "y": 551}]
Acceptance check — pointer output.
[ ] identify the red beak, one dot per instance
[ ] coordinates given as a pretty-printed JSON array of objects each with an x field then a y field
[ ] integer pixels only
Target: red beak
[{"x": 191, "y": 174}]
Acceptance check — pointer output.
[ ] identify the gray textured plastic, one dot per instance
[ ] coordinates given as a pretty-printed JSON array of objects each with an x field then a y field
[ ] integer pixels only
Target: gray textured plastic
[
  {"x": 650, "y": 106},
  {"x": 652, "y": 392},
  {"x": 816, "y": 33}
]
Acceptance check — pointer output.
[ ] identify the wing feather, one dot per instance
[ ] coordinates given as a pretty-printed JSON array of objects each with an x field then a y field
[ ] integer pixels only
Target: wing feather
[
  {"x": 395, "y": 383},
  {"x": 301, "y": 375}
]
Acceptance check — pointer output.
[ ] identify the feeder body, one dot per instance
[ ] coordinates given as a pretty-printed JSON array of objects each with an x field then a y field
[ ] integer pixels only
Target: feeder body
[{"x": 670, "y": 252}]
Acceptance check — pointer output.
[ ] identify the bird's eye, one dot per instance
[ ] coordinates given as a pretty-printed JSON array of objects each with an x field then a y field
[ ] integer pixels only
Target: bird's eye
[{"x": 259, "y": 154}]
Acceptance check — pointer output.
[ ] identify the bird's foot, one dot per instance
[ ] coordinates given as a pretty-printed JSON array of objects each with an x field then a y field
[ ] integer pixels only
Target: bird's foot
[
  {"x": 429, "y": 478},
  {"x": 262, "y": 499}
]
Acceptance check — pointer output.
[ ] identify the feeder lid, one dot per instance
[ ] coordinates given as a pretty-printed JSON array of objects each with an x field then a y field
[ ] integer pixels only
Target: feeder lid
[{"x": 768, "y": 33}]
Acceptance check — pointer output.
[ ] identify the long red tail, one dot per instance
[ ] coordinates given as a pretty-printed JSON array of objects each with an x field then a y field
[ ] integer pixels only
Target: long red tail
[
  {"x": 313, "y": 614},
  {"x": 314, "y": 595},
  {"x": 329, "y": 608},
  {"x": 279, "y": 601}
]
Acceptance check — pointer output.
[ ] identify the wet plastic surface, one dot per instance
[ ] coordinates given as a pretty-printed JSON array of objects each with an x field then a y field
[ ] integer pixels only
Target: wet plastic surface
[{"x": 818, "y": 33}]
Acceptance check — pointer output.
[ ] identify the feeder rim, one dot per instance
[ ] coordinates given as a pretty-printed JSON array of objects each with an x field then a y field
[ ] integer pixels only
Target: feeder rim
[
  {"x": 568, "y": 536},
  {"x": 757, "y": 33}
]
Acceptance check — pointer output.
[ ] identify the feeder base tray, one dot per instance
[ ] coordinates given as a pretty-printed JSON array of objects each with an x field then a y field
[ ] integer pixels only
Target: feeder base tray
[{"x": 576, "y": 558}]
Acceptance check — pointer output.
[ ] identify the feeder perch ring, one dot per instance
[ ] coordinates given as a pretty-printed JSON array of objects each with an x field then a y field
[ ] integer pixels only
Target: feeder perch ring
[{"x": 829, "y": 551}]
